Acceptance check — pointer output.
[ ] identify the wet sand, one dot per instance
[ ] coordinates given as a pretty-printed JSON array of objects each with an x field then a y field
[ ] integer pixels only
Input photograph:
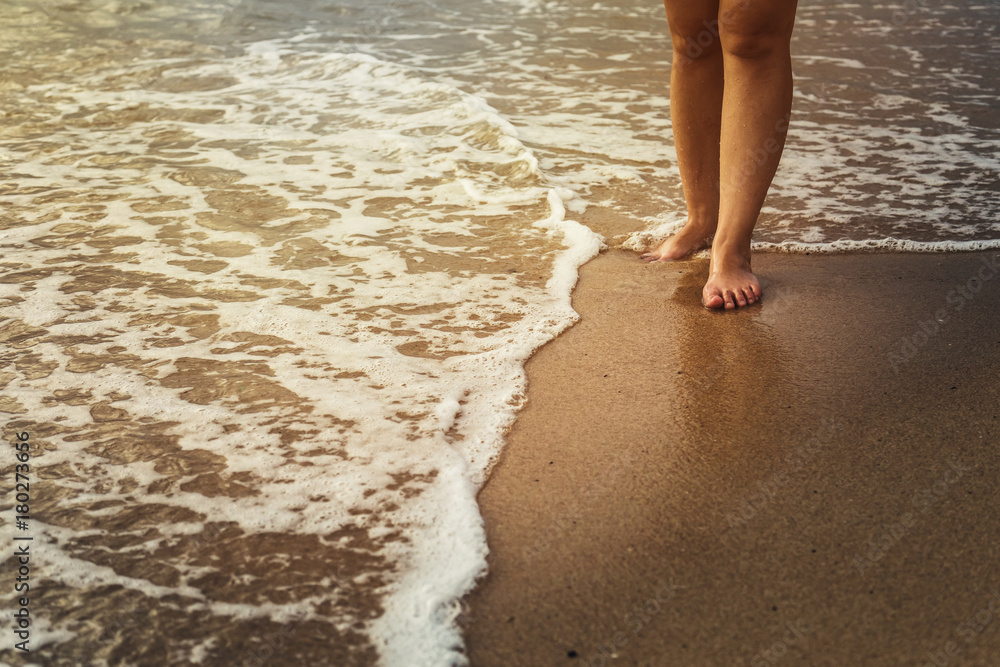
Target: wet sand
[{"x": 809, "y": 481}]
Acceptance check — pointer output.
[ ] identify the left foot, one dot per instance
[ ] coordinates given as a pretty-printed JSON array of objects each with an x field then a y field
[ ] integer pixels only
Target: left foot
[{"x": 731, "y": 284}]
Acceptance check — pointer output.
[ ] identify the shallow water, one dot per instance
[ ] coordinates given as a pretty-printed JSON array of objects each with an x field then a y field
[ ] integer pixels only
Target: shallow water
[{"x": 271, "y": 272}]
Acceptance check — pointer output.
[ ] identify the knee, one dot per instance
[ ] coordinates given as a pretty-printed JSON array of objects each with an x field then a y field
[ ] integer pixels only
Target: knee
[
  {"x": 696, "y": 41},
  {"x": 754, "y": 37}
]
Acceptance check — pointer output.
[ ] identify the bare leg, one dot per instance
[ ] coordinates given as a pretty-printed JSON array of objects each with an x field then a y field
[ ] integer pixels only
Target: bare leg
[
  {"x": 696, "y": 85},
  {"x": 755, "y": 112},
  {"x": 751, "y": 39}
]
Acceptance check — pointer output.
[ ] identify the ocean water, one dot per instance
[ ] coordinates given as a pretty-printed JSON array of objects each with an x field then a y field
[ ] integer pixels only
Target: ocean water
[{"x": 271, "y": 271}]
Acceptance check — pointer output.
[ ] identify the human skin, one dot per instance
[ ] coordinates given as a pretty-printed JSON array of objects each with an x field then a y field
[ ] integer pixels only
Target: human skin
[{"x": 730, "y": 101}]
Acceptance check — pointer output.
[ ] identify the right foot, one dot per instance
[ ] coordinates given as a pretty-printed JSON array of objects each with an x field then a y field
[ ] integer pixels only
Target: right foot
[
  {"x": 731, "y": 282},
  {"x": 690, "y": 238}
]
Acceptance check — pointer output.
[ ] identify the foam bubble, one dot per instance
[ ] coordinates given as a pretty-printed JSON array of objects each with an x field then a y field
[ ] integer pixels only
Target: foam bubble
[{"x": 286, "y": 293}]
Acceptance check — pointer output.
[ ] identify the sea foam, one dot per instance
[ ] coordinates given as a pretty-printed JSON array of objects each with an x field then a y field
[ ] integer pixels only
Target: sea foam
[{"x": 276, "y": 298}]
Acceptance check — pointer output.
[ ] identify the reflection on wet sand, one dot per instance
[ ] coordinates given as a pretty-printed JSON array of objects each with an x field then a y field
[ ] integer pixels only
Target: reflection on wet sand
[{"x": 730, "y": 361}]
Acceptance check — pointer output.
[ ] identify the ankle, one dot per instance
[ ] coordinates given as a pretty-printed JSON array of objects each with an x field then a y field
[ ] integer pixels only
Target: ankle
[
  {"x": 704, "y": 223},
  {"x": 730, "y": 253}
]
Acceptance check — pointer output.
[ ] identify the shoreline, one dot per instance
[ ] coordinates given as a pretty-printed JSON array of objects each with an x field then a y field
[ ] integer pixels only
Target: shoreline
[{"x": 801, "y": 482}]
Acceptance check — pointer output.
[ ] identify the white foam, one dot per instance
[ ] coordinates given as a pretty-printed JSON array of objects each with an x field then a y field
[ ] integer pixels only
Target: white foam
[
  {"x": 644, "y": 239},
  {"x": 374, "y": 163},
  {"x": 412, "y": 182}
]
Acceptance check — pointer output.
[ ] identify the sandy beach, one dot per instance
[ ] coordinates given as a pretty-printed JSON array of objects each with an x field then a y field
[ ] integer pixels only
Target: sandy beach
[
  {"x": 286, "y": 325},
  {"x": 810, "y": 481}
]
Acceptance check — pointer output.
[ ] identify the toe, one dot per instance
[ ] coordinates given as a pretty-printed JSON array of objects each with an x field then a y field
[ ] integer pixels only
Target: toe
[
  {"x": 728, "y": 297},
  {"x": 713, "y": 301},
  {"x": 740, "y": 298},
  {"x": 653, "y": 256}
]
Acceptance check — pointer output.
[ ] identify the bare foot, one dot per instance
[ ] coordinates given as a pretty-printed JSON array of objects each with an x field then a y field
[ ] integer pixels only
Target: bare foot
[
  {"x": 692, "y": 236},
  {"x": 731, "y": 284}
]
